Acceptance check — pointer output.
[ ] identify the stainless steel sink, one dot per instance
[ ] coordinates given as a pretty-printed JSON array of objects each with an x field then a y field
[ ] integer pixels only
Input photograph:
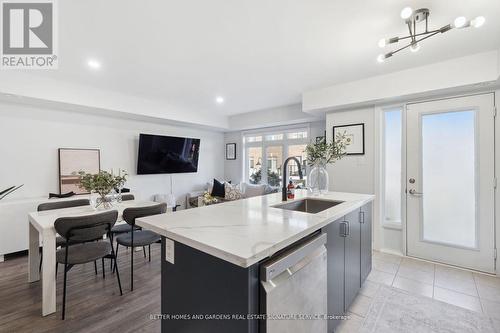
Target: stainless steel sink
[{"x": 312, "y": 206}]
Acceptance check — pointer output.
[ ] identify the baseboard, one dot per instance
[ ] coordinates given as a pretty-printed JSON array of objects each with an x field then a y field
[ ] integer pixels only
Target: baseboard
[{"x": 393, "y": 252}]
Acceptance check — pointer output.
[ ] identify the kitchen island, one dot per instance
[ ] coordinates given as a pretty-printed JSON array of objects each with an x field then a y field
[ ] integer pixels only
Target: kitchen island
[{"x": 218, "y": 261}]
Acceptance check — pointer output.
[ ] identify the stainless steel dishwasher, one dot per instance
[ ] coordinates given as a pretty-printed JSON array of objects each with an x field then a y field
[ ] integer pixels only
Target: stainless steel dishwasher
[{"x": 294, "y": 289}]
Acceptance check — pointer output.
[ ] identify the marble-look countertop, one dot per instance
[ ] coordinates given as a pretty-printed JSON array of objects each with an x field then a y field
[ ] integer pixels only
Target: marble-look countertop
[{"x": 246, "y": 231}]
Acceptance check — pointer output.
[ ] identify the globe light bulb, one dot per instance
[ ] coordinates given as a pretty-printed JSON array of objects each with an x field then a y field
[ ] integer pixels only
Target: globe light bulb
[
  {"x": 381, "y": 58},
  {"x": 406, "y": 13},
  {"x": 478, "y": 22},
  {"x": 382, "y": 43},
  {"x": 415, "y": 47},
  {"x": 460, "y": 22}
]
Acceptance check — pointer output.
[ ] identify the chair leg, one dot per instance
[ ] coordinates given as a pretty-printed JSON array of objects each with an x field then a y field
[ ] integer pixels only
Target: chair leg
[
  {"x": 64, "y": 291},
  {"x": 115, "y": 267},
  {"x": 41, "y": 260},
  {"x": 116, "y": 256},
  {"x": 132, "y": 269},
  {"x": 144, "y": 250},
  {"x": 149, "y": 252},
  {"x": 57, "y": 266},
  {"x": 95, "y": 267},
  {"x": 103, "y": 273},
  {"x": 111, "y": 241}
]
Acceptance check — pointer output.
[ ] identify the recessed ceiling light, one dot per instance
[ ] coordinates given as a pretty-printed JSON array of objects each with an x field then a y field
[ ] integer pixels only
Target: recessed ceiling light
[
  {"x": 219, "y": 99},
  {"x": 94, "y": 64}
]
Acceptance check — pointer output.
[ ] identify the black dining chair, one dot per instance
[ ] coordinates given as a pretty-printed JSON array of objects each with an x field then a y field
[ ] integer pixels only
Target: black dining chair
[
  {"x": 123, "y": 228},
  {"x": 138, "y": 238},
  {"x": 60, "y": 241},
  {"x": 85, "y": 243}
]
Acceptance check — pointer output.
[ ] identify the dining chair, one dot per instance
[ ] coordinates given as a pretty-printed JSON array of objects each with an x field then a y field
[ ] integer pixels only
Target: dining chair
[
  {"x": 85, "y": 243},
  {"x": 60, "y": 241},
  {"x": 138, "y": 238},
  {"x": 123, "y": 228}
]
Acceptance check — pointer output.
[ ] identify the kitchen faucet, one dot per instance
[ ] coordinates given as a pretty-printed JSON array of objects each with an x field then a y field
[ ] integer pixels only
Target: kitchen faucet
[{"x": 284, "y": 190}]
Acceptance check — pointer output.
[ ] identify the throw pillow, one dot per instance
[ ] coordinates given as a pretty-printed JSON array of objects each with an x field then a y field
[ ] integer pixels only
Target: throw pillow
[
  {"x": 233, "y": 192},
  {"x": 251, "y": 190},
  {"x": 218, "y": 189}
]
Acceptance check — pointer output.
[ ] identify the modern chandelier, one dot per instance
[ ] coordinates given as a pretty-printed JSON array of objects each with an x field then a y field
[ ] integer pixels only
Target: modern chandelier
[{"x": 418, "y": 28}]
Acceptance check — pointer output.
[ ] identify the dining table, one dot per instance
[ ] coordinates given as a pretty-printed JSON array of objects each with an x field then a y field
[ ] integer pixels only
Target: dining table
[{"x": 42, "y": 232}]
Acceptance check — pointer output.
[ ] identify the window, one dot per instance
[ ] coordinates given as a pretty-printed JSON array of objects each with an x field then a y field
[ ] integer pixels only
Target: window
[
  {"x": 253, "y": 138},
  {"x": 272, "y": 137},
  {"x": 297, "y": 135},
  {"x": 254, "y": 164},
  {"x": 392, "y": 156},
  {"x": 267, "y": 151}
]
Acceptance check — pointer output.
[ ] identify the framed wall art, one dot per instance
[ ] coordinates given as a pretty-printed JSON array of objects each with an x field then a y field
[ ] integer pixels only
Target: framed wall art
[
  {"x": 355, "y": 136},
  {"x": 72, "y": 161}
]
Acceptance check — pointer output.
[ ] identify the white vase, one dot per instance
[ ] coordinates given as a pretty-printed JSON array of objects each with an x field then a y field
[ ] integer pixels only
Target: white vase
[{"x": 318, "y": 179}]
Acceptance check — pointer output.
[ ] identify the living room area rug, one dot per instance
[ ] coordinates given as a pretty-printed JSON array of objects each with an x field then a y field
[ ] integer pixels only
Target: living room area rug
[{"x": 395, "y": 310}]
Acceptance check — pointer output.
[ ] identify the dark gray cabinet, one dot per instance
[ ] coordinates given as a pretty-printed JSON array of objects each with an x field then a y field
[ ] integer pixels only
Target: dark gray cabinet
[
  {"x": 366, "y": 240},
  {"x": 352, "y": 258},
  {"x": 349, "y": 259},
  {"x": 335, "y": 266}
]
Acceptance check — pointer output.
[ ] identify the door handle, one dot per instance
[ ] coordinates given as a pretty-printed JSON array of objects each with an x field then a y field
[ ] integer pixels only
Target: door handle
[{"x": 413, "y": 192}]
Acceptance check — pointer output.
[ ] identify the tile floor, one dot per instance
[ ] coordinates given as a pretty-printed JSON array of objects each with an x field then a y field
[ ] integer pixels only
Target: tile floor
[{"x": 473, "y": 291}]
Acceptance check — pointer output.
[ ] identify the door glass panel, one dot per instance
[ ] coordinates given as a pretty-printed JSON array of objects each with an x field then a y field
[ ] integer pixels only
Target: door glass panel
[
  {"x": 449, "y": 178},
  {"x": 392, "y": 165},
  {"x": 274, "y": 159},
  {"x": 254, "y": 164}
]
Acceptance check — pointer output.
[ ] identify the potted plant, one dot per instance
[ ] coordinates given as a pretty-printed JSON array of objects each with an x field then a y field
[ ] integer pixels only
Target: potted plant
[
  {"x": 102, "y": 183},
  {"x": 319, "y": 155}
]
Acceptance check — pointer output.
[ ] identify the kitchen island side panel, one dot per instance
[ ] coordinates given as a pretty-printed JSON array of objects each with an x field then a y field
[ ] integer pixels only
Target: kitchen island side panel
[{"x": 200, "y": 286}]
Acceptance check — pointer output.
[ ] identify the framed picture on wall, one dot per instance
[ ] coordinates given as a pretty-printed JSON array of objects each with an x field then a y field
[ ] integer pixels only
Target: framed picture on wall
[
  {"x": 72, "y": 161},
  {"x": 230, "y": 151},
  {"x": 355, "y": 136}
]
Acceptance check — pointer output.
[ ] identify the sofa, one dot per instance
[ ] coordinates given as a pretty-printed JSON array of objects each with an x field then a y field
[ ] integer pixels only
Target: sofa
[{"x": 195, "y": 199}]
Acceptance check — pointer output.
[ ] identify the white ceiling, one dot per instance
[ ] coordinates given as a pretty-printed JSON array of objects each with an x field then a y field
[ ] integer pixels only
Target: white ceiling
[{"x": 257, "y": 54}]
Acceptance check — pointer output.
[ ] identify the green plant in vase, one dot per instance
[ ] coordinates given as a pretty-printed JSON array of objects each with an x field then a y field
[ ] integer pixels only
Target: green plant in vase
[
  {"x": 319, "y": 155},
  {"x": 102, "y": 183}
]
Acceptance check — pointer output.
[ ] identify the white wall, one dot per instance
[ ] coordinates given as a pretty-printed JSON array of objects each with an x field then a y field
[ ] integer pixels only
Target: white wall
[
  {"x": 353, "y": 173},
  {"x": 278, "y": 116},
  {"x": 233, "y": 169},
  {"x": 30, "y": 137}
]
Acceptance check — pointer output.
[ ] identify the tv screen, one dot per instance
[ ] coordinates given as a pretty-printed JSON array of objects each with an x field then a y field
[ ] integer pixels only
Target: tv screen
[{"x": 167, "y": 154}]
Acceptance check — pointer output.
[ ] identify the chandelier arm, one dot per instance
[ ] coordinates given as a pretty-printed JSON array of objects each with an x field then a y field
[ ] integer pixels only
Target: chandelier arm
[
  {"x": 429, "y": 36},
  {"x": 407, "y": 46},
  {"x": 409, "y": 28},
  {"x": 420, "y": 34}
]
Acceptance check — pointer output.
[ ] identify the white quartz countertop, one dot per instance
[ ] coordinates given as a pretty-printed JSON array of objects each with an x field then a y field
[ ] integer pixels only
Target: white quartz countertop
[{"x": 246, "y": 231}]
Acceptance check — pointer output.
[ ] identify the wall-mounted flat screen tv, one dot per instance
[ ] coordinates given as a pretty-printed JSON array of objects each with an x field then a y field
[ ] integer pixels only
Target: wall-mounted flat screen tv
[{"x": 167, "y": 154}]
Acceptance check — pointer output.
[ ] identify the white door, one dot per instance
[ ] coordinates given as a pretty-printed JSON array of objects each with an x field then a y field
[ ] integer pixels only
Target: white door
[{"x": 450, "y": 181}]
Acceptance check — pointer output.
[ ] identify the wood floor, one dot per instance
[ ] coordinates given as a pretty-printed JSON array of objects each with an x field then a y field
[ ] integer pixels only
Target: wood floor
[{"x": 93, "y": 304}]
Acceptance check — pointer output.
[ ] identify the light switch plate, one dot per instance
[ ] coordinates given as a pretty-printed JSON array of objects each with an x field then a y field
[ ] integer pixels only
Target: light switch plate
[{"x": 169, "y": 251}]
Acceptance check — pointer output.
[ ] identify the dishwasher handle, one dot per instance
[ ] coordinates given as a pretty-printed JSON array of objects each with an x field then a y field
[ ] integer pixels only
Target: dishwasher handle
[{"x": 289, "y": 258}]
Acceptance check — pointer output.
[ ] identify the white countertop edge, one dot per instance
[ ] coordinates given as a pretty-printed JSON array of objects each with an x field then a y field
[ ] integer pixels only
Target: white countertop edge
[{"x": 247, "y": 262}]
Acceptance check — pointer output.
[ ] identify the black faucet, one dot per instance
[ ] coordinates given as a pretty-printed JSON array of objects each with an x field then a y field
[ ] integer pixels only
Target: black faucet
[{"x": 284, "y": 190}]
